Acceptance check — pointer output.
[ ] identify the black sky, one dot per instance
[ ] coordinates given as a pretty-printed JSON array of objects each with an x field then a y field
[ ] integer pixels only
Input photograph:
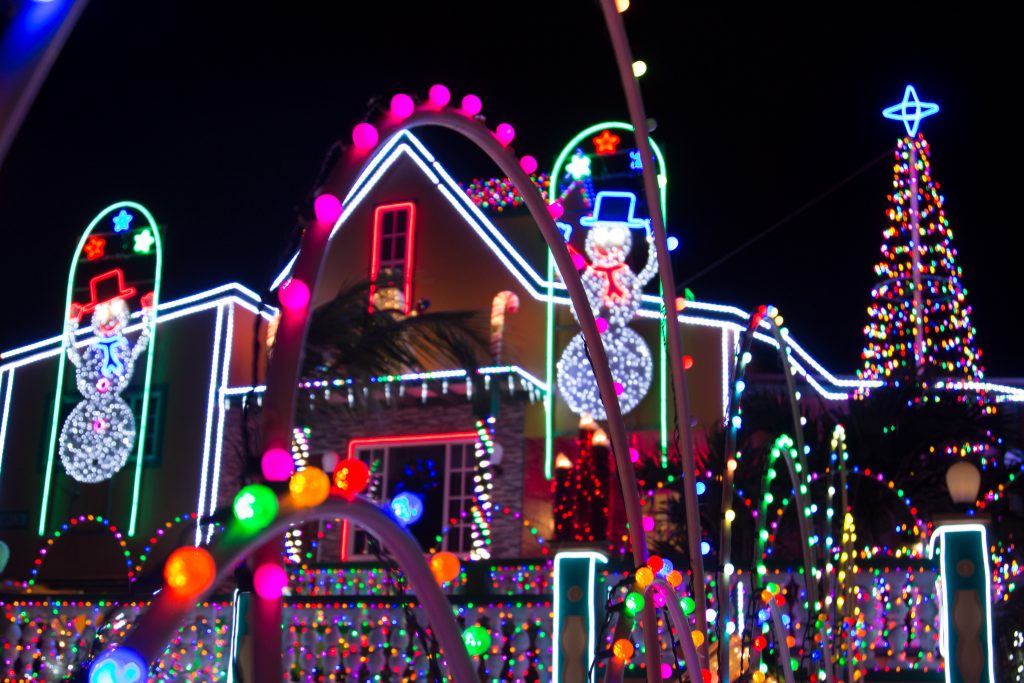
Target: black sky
[{"x": 217, "y": 115}]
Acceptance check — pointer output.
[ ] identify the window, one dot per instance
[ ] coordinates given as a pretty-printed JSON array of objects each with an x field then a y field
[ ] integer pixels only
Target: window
[
  {"x": 440, "y": 473},
  {"x": 394, "y": 229}
]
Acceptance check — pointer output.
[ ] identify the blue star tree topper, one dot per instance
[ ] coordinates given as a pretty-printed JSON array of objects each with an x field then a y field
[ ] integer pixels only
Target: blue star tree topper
[{"x": 910, "y": 111}]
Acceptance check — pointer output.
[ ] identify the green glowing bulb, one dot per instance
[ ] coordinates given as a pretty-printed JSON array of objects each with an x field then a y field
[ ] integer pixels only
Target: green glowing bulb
[
  {"x": 688, "y": 606},
  {"x": 634, "y": 603},
  {"x": 255, "y": 507},
  {"x": 477, "y": 640}
]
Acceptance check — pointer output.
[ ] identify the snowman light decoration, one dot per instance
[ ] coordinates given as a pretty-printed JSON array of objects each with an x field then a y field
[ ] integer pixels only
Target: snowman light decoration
[
  {"x": 613, "y": 291},
  {"x": 98, "y": 434}
]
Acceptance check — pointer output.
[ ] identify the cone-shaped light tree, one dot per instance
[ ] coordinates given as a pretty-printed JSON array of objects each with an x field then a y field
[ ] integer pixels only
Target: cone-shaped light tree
[{"x": 919, "y": 323}]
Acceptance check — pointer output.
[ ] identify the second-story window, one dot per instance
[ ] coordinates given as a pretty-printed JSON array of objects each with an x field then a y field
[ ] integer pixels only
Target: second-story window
[{"x": 391, "y": 261}]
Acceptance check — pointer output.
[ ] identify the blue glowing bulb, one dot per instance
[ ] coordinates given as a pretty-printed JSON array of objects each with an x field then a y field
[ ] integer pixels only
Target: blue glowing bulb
[
  {"x": 666, "y": 567},
  {"x": 407, "y": 508},
  {"x": 705, "y": 547},
  {"x": 118, "y": 665},
  {"x": 673, "y": 242},
  {"x": 701, "y": 488}
]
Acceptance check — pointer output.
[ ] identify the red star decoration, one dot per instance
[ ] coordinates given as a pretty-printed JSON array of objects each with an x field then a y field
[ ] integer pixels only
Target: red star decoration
[
  {"x": 94, "y": 248},
  {"x": 606, "y": 142}
]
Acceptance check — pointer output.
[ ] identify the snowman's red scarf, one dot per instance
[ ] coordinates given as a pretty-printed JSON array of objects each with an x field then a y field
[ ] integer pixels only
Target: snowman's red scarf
[{"x": 614, "y": 292}]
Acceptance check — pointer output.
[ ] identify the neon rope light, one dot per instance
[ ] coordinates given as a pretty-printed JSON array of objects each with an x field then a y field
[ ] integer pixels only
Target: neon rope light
[
  {"x": 410, "y": 240},
  {"x": 210, "y": 398},
  {"x": 443, "y": 437},
  {"x": 166, "y": 312},
  {"x": 62, "y": 364},
  {"x": 594, "y": 558},
  {"x": 221, "y": 410},
  {"x": 6, "y": 390}
]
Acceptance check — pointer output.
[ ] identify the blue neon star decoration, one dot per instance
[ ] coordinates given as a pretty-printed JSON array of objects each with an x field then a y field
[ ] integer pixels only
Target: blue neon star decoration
[
  {"x": 122, "y": 221},
  {"x": 910, "y": 111}
]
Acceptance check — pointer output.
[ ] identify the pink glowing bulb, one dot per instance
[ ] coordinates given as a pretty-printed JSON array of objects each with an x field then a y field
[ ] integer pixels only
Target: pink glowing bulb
[
  {"x": 528, "y": 164},
  {"x": 602, "y": 325},
  {"x": 659, "y": 599},
  {"x": 277, "y": 465},
  {"x": 505, "y": 134},
  {"x": 618, "y": 388},
  {"x": 294, "y": 295},
  {"x": 648, "y": 523},
  {"x": 666, "y": 670},
  {"x": 327, "y": 208},
  {"x": 365, "y": 136},
  {"x": 471, "y": 105},
  {"x": 269, "y": 580},
  {"x": 402, "y": 106},
  {"x": 578, "y": 262},
  {"x": 634, "y": 455},
  {"x": 439, "y": 95},
  {"x": 556, "y": 210}
]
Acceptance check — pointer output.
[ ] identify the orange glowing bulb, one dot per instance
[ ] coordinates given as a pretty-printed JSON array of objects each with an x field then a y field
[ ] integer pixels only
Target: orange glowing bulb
[{"x": 189, "y": 571}]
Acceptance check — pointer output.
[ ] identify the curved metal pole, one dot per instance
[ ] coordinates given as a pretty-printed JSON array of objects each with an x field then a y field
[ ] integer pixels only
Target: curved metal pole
[
  {"x": 780, "y": 640},
  {"x": 638, "y": 117},
  {"x": 283, "y": 373},
  {"x": 691, "y": 657},
  {"x": 156, "y": 627}
]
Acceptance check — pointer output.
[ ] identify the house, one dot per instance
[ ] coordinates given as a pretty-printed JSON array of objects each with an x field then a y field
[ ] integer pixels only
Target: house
[{"x": 425, "y": 245}]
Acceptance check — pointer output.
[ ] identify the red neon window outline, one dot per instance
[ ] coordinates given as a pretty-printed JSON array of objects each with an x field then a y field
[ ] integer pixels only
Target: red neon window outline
[
  {"x": 410, "y": 239},
  {"x": 411, "y": 439}
]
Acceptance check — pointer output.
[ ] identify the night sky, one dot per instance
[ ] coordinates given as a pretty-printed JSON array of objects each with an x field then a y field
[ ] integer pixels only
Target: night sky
[{"x": 217, "y": 116}]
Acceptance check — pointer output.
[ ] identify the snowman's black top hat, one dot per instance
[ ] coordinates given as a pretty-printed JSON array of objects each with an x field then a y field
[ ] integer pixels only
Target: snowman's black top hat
[
  {"x": 615, "y": 207},
  {"x": 107, "y": 287}
]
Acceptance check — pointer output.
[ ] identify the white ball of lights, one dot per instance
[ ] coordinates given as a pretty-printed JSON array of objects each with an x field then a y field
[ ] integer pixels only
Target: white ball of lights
[{"x": 632, "y": 367}]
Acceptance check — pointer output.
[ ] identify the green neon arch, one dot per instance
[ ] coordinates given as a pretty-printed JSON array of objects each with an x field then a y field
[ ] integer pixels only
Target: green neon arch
[
  {"x": 549, "y": 345},
  {"x": 148, "y": 375}
]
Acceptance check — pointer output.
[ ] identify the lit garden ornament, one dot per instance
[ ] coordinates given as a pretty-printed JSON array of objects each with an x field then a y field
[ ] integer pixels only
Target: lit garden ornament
[
  {"x": 98, "y": 435},
  {"x": 614, "y": 292}
]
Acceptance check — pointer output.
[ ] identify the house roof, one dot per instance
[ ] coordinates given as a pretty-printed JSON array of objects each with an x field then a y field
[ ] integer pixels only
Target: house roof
[{"x": 699, "y": 313}]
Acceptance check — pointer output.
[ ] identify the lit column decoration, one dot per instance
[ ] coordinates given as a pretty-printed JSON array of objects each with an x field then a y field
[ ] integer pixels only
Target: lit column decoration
[
  {"x": 575, "y": 623},
  {"x": 483, "y": 486},
  {"x": 300, "y": 453},
  {"x": 965, "y": 589}
]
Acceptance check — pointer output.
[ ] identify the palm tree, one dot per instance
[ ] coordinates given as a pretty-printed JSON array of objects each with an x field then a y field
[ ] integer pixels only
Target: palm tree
[{"x": 346, "y": 339}]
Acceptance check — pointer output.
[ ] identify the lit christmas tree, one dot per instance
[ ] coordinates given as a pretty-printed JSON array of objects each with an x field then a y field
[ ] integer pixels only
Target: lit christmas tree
[{"x": 919, "y": 324}]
